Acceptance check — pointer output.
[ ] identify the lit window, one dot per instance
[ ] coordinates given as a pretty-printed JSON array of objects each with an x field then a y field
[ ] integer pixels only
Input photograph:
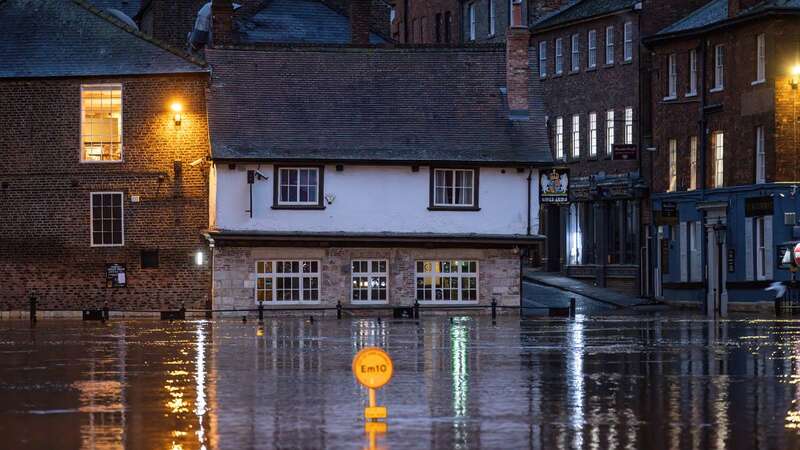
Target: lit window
[
  {"x": 693, "y": 163},
  {"x": 107, "y": 219},
  {"x": 672, "y": 81},
  {"x": 576, "y": 55},
  {"x": 287, "y": 281},
  {"x": 299, "y": 186},
  {"x": 628, "y": 35},
  {"x": 692, "y": 73},
  {"x": 559, "y": 56},
  {"x": 101, "y": 123},
  {"x": 760, "y": 156},
  {"x": 454, "y": 188},
  {"x": 629, "y": 125},
  {"x": 543, "y": 59},
  {"x": 609, "y": 45},
  {"x": 719, "y": 67},
  {"x": 719, "y": 159},
  {"x": 576, "y": 136},
  {"x": 592, "y": 46},
  {"x": 369, "y": 280},
  {"x": 448, "y": 281},
  {"x": 592, "y": 134},
  {"x": 673, "y": 165},
  {"x": 559, "y": 138},
  {"x": 609, "y": 132},
  {"x": 761, "y": 58}
]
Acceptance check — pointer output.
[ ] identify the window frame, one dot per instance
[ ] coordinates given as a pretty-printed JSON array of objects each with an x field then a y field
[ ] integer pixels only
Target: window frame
[
  {"x": 719, "y": 68},
  {"x": 369, "y": 274},
  {"x": 628, "y": 136},
  {"x": 122, "y": 218},
  {"x": 542, "y": 59},
  {"x": 627, "y": 42},
  {"x": 559, "y": 55},
  {"x": 760, "y": 248},
  {"x": 460, "y": 275},
  {"x": 719, "y": 159},
  {"x": 276, "y": 186},
  {"x": 610, "y": 132},
  {"x": 692, "y": 163},
  {"x": 274, "y": 275},
  {"x": 592, "y": 134},
  {"x": 492, "y": 18},
  {"x": 559, "y": 138},
  {"x": 475, "y": 206},
  {"x": 591, "y": 46},
  {"x": 672, "y": 77},
  {"x": 761, "y": 59},
  {"x": 99, "y": 86},
  {"x": 692, "y": 73},
  {"x": 575, "y": 53},
  {"x": 610, "y": 45},
  {"x": 673, "y": 166},
  {"x": 472, "y": 22},
  {"x": 761, "y": 155},
  {"x": 575, "y": 146}
]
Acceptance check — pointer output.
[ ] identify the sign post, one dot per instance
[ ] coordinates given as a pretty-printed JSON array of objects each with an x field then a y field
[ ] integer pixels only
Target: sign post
[{"x": 373, "y": 368}]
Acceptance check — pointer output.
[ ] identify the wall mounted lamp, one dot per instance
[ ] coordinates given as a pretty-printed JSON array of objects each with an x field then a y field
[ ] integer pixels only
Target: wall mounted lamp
[
  {"x": 176, "y": 108},
  {"x": 795, "y": 78}
]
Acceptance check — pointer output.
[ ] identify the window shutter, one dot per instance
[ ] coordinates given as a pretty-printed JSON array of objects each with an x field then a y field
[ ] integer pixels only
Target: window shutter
[
  {"x": 697, "y": 253},
  {"x": 684, "y": 252},
  {"x": 748, "y": 248},
  {"x": 769, "y": 263}
]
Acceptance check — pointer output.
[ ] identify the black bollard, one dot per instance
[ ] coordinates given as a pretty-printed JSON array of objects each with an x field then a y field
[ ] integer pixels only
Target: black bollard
[
  {"x": 311, "y": 319},
  {"x": 416, "y": 309},
  {"x": 572, "y": 307},
  {"x": 244, "y": 319},
  {"x": 494, "y": 308},
  {"x": 260, "y": 311},
  {"x": 339, "y": 309},
  {"x": 32, "y": 301}
]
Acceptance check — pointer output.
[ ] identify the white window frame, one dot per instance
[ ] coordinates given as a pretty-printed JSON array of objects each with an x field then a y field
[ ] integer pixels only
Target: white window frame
[
  {"x": 103, "y": 87},
  {"x": 316, "y": 200},
  {"x": 761, "y": 175},
  {"x": 559, "y": 68},
  {"x": 492, "y": 18},
  {"x": 472, "y": 189},
  {"x": 719, "y": 159},
  {"x": 575, "y": 55},
  {"x": 370, "y": 275},
  {"x": 693, "y": 163},
  {"x": 274, "y": 275},
  {"x": 592, "y": 134},
  {"x": 761, "y": 59},
  {"x": 692, "y": 73},
  {"x": 673, "y": 165},
  {"x": 629, "y": 125},
  {"x": 542, "y": 59},
  {"x": 576, "y": 136},
  {"x": 472, "y": 23},
  {"x": 628, "y": 41},
  {"x": 610, "y": 45},
  {"x": 559, "y": 137},
  {"x": 610, "y": 129},
  {"x": 91, "y": 218},
  {"x": 591, "y": 45},
  {"x": 672, "y": 77},
  {"x": 719, "y": 68},
  {"x": 434, "y": 275}
]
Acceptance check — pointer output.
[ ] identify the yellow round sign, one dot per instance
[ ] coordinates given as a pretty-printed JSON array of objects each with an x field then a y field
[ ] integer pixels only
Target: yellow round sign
[{"x": 373, "y": 367}]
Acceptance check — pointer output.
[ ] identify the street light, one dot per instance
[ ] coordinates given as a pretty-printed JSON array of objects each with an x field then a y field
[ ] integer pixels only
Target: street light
[{"x": 795, "y": 78}]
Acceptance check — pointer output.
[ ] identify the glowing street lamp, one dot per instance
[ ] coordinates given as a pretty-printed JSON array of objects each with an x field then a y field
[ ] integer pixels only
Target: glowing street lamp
[
  {"x": 795, "y": 78},
  {"x": 176, "y": 108}
]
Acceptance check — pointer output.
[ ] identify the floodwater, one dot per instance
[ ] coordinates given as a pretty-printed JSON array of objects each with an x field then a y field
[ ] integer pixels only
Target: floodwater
[{"x": 632, "y": 382}]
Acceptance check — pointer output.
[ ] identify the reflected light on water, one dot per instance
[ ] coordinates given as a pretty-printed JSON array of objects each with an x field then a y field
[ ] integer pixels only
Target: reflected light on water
[
  {"x": 200, "y": 385},
  {"x": 575, "y": 379},
  {"x": 459, "y": 343}
]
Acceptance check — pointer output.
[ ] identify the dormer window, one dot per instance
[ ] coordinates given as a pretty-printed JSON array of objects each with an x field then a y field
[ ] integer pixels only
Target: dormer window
[{"x": 101, "y": 123}]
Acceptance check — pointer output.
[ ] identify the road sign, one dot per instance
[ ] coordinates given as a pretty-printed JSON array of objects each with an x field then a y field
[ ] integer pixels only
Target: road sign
[
  {"x": 797, "y": 254},
  {"x": 373, "y": 367}
]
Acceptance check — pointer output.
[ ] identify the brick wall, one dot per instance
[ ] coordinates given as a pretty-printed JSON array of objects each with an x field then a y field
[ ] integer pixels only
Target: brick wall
[
  {"x": 417, "y": 19},
  {"x": 45, "y": 195}
]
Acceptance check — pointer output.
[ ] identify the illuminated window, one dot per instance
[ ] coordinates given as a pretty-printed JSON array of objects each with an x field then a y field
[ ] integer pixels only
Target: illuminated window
[
  {"x": 761, "y": 174},
  {"x": 693, "y": 163},
  {"x": 369, "y": 280},
  {"x": 559, "y": 138},
  {"x": 287, "y": 281},
  {"x": 592, "y": 134},
  {"x": 629, "y": 125},
  {"x": 719, "y": 159},
  {"x": 299, "y": 186},
  {"x": 761, "y": 58},
  {"x": 673, "y": 165},
  {"x": 451, "y": 281},
  {"x": 107, "y": 219},
  {"x": 576, "y": 136},
  {"x": 609, "y": 132},
  {"x": 101, "y": 123}
]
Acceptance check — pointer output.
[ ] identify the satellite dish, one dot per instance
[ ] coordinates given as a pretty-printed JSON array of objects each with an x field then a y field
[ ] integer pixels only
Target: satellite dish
[{"x": 122, "y": 17}]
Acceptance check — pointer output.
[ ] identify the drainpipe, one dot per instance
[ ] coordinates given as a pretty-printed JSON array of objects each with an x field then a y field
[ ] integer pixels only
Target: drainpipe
[
  {"x": 530, "y": 179},
  {"x": 701, "y": 137}
]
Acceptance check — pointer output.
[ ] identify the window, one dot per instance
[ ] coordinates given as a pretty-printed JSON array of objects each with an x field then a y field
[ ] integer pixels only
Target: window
[
  {"x": 672, "y": 80},
  {"x": 692, "y": 73},
  {"x": 719, "y": 158},
  {"x": 454, "y": 188},
  {"x": 760, "y": 156},
  {"x": 673, "y": 165},
  {"x": 576, "y": 136},
  {"x": 543, "y": 59},
  {"x": 609, "y": 45},
  {"x": 492, "y": 18},
  {"x": 448, "y": 26},
  {"x": 761, "y": 59},
  {"x": 609, "y": 132},
  {"x": 719, "y": 68},
  {"x": 149, "y": 259},
  {"x": 369, "y": 280},
  {"x": 107, "y": 219},
  {"x": 101, "y": 123},
  {"x": 628, "y": 36},
  {"x": 559, "y": 56},
  {"x": 454, "y": 281},
  {"x": 299, "y": 186},
  {"x": 287, "y": 281},
  {"x": 695, "y": 254},
  {"x": 576, "y": 55},
  {"x": 592, "y": 134},
  {"x": 761, "y": 256},
  {"x": 693, "y": 163},
  {"x": 438, "y": 28},
  {"x": 559, "y": 138},
  {"x": 629, "y": 125},
  {"x": 472, "y": 24},
  {"x": 592, "y": 46}
]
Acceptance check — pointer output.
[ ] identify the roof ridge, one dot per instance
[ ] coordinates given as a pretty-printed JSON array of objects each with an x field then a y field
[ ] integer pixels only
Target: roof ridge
[{"x": 125, "y": 27}]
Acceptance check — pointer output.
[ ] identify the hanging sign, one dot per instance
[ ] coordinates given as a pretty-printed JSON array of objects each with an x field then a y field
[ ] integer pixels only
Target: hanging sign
[
  {"x": 115, "y": 275},
  {"x": 625, "y": 152},
  {"x": 554, "y": 186}
]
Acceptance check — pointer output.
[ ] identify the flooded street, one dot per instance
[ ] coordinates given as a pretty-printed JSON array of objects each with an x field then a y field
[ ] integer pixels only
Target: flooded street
[{"x": 616, "y": 381}]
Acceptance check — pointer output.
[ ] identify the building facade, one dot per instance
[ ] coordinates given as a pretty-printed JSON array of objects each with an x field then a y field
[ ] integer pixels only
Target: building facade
[
  {"x": 725, "y": 166},
  {"x": 103, "y": 187},
  {"x": 426, "y": 21}
]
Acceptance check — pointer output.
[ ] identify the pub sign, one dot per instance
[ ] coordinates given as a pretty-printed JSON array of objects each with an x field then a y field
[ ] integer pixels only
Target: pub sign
[{"x": 554, "y": 185}]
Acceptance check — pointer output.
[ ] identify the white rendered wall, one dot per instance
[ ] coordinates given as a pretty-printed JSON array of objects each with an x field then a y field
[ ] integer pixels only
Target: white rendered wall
[{"x": 377, "y": 199}]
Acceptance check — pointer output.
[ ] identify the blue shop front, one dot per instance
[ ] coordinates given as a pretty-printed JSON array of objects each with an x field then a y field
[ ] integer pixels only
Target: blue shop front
[{"x": 720, "y": 249}]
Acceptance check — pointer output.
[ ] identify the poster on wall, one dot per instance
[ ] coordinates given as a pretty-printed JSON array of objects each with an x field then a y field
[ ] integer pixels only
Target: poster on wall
[
  {"x": 115, "y": 275},
  {"x": 554, "y": 186}
]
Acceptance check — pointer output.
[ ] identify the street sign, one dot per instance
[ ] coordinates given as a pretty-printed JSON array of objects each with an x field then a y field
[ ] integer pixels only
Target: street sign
[
  {"x": 797, "y": 254},
  {"x": 373, "y": 367}
]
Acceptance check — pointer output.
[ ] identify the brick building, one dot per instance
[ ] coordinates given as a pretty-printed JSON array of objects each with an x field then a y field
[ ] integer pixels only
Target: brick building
[
  {"x": 725, "y": 165},
  {"x": 426, "y": 21},
  {"x": 593, "y": 75},
  {"x": 103, "y": 193}
]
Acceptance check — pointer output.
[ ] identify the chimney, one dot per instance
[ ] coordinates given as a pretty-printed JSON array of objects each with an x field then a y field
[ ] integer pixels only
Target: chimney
[
  {"x": 222, "y": 22},
  {"x": 737, "y": 6},
  {"x": 517, "y": 64},
  {"x": 360, "y": 18}
]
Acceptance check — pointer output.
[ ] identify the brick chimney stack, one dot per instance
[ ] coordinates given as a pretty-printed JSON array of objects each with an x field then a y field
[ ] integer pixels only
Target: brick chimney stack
[
  {"x": 222, "y": 22},
  {"x": 360, "y": 18},
  {"x": 517, "y": 64},
  {"x": 737, "y": 6}
]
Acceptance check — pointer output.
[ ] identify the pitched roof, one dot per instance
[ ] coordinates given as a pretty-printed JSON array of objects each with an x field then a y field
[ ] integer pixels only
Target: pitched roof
[
  {"x": 297, "y": 21},
  {"x": 583, "y": 9},
  {"x": 391, "y": 105},
  {"x": 716, "y": 12},
  {"x": 54, "y": 38}
]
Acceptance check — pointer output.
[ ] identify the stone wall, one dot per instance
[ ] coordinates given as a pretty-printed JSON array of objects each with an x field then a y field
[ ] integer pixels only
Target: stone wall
[{"x": 234, "y": 278}]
